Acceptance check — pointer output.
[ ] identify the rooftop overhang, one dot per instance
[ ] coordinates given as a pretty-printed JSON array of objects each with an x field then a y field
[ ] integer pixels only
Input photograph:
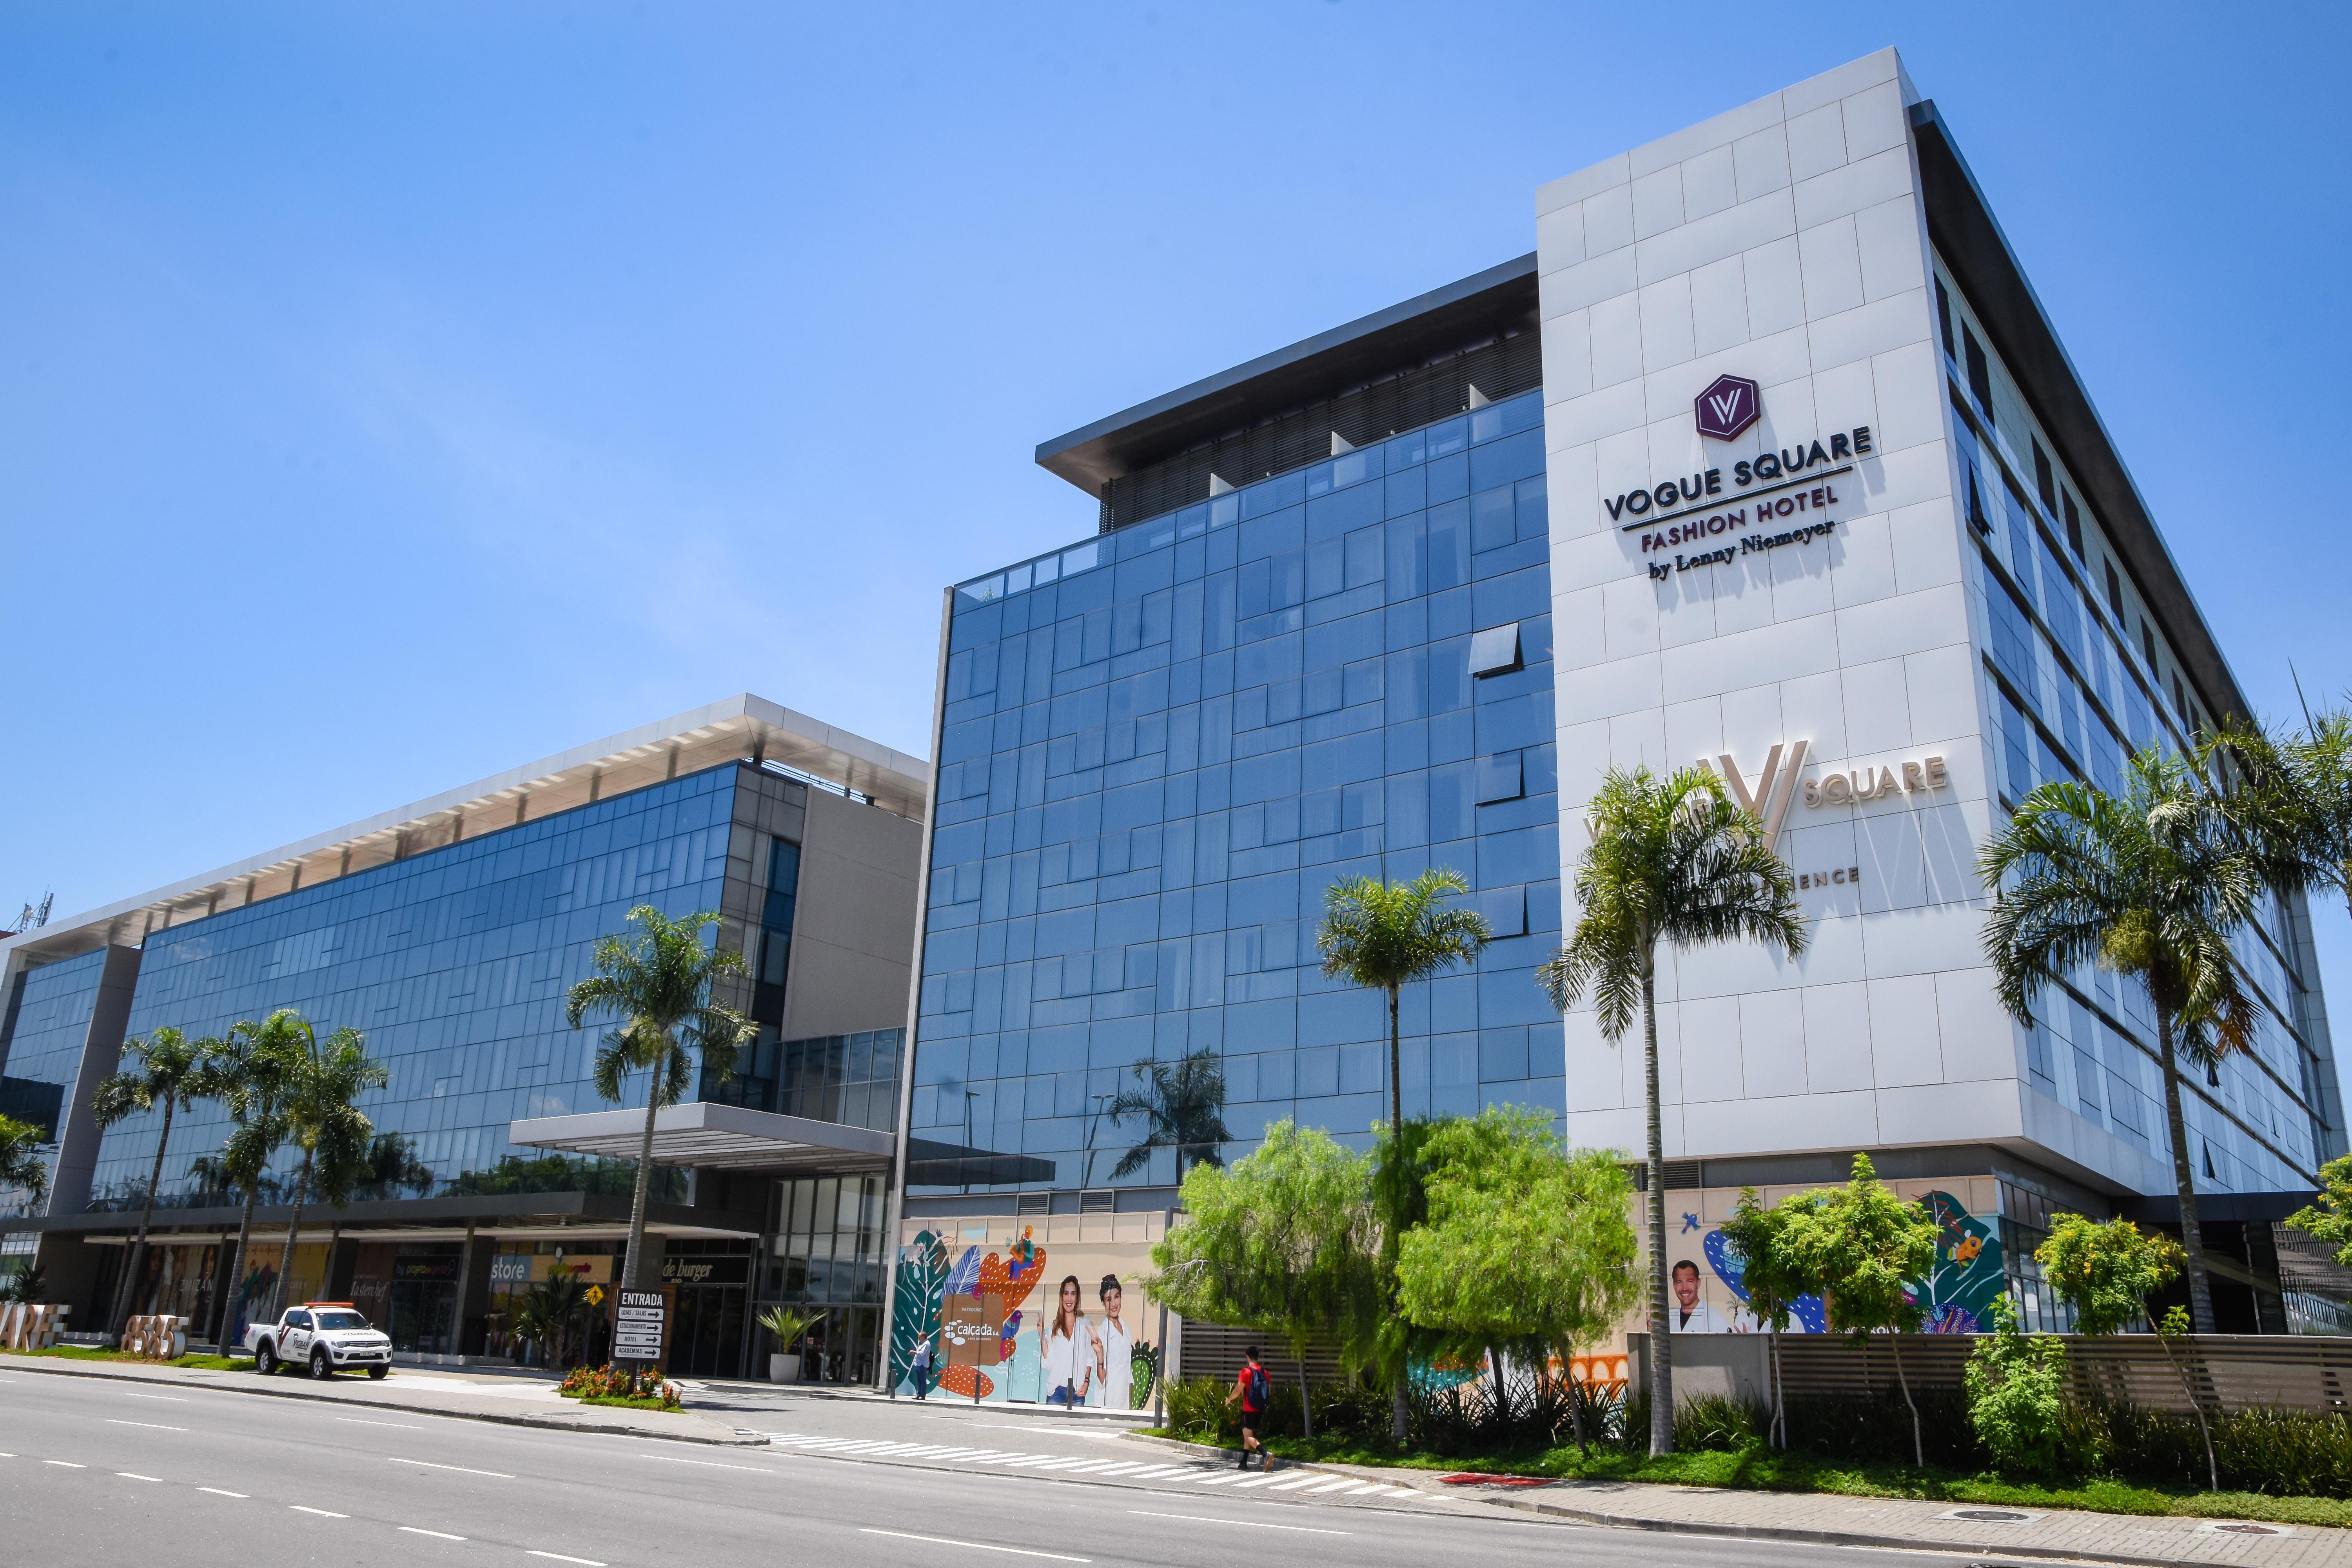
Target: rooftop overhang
[
  {"x": 1960, "y": 221},
  {"x": 706, "y": 1135},
  {"x": 744, "y": 728},
  {"x": 1320, "y": 367}
]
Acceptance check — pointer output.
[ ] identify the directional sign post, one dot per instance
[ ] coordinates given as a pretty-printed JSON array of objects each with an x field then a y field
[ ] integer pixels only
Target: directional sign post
[{"x": 641, "y": 1320}]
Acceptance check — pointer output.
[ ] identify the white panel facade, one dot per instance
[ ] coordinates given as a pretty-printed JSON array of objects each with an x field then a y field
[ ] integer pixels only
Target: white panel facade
[{"x": 1784, "y": 242}]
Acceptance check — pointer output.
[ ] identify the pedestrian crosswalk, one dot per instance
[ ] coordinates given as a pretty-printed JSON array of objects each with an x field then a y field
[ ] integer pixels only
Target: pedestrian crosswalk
[{"x": 1320, "y": 1485}]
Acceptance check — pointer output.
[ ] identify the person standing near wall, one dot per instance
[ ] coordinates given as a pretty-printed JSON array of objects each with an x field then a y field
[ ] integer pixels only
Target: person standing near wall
[{"x": 923, "y": 1367}]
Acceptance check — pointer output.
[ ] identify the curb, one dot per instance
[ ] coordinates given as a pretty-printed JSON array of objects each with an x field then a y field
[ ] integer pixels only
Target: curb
[
  {"x": 741, "y": 1388},
  {"x": 549, "y": 1420},
  {"x": 1680, "y": 1527}
]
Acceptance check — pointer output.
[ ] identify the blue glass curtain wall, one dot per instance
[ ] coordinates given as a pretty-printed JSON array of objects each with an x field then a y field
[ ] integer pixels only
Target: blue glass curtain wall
[
  {"x": 41, "y": 1057},
  {"x": 454, "y": 964},
  {"x": 1160, "y": 748}
]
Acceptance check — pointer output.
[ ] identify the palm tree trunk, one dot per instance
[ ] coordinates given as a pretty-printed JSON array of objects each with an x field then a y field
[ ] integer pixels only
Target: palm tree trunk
[
  {"x": 1919, "y": 1447},
  {"x": 124, "y": 1300},
  {"x": 1399, "y": 1413},
  {"x": 293, "y": 1229},
  {"x": 231, "y": 1287},
  {"x": 1780, "y": 1416},
  {"x": 2192, "y": 1237},
  {"x": 645, "y": 1178},
  {"x": 1662, "y": 1356},
  {"x": 1305, "y": 1404}
]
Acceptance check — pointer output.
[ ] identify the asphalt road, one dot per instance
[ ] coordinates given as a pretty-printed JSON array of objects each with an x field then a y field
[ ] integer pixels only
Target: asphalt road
[{"x": 100, "y": 1474}]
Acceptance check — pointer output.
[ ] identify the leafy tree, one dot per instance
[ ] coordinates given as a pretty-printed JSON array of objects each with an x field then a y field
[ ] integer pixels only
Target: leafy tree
[
  {"x": 1391, "y": 1341},
  {"x": 323, "y": 1119},
  {"x": 1864, "y": 1244},
  {"x": 1384, "y": 936},
  {"x": 554, "y": 1173},
  {"x": 657, "y": 981},
  {"x": 1773, "y": 1274},
  {"x": 1527, "y": 1247},
  {"x": 1672, "y": 860},
  {"x": 167, "y": 1073},
  {"x": 1285, "y": 1240},
  {"x": 389, "y": 1169},
  {"x": 25, "y": 1285},
  {"x": 22, "y": 1163},
  {"x": 2330, "y": 1219},
  {"x": 2151, "y": 884},
  {"x": 2106, "y": 1273},
  {"x": 1182, "y": 1104},
  {"x": 2016, "y": 1385},
  {"x": 249, "y": 1070}
]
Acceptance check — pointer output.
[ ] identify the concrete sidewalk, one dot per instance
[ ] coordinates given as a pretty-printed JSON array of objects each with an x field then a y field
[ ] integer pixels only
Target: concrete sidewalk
[
  {"x": 1825, "y": 1520},
  {"x": 520, "y": 1399}
]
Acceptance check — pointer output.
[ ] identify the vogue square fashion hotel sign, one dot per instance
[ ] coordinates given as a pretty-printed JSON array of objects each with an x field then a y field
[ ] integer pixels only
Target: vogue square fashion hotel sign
[{"x": 1797, "y": 484}]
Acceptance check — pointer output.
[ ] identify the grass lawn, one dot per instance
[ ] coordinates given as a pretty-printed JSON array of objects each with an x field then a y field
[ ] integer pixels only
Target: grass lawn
[
  {"x": 94, "y": 1352},
  {"x": 1763, "y": 1469}
]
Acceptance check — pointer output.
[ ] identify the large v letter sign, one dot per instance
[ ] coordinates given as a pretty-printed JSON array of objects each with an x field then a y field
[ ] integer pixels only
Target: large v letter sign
[{"x": 1776, "y": 787}]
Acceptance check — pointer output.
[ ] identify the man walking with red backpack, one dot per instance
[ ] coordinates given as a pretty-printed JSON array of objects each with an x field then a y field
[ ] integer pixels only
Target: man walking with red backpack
[{"x": 1255, "y": 1392}]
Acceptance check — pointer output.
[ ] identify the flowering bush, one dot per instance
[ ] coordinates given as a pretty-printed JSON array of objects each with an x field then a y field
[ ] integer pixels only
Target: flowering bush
[{"x": 610, "y": 1382}]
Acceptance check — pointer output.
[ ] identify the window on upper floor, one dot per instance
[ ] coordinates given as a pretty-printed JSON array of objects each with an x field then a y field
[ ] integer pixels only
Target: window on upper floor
[
  {"x": 1980, "y": 374},
  {"x": 1944, "y": 317},
  {"x": 2148, "y": 644},
  {"x": 2045, "y": 480},
  {"x": 2073, "y": 525}
]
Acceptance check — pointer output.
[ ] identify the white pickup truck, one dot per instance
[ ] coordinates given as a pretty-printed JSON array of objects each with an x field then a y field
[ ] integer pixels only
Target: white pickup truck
[{"x": 328, "y": 1337}]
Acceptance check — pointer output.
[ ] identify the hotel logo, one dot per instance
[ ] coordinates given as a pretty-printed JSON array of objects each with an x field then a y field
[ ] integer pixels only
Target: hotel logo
[{"x": 1729, "y": 407}]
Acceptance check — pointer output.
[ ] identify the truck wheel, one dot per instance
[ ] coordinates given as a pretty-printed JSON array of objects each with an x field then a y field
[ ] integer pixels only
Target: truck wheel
[
  {"x": 377, "y": 1372},
  {"x": 321, "y": 1366},
  {"x": 265, "y": 1360}
]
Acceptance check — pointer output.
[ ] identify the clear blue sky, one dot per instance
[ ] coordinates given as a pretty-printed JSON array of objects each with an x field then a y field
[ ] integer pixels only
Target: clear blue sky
[{"x": 392, "y": 395}]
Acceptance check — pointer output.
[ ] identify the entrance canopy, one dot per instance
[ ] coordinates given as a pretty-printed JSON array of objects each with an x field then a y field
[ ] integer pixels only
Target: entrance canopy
[{"x": 711, "y": 1136}]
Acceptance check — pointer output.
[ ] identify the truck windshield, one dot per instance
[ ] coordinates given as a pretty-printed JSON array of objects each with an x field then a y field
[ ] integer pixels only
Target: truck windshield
[{"x": 332, "y": 1321}]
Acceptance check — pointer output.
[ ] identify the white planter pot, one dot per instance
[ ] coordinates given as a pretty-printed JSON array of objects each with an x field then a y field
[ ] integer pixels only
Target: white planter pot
[{"x": 784, "y": 1369}]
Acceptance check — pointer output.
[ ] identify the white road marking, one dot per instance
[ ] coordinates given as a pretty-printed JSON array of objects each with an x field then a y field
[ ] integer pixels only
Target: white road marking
[
  {"x": 1220, "y": 1480},
  {"x": 1331, "y": 1485},
  {"x": 436, "y": 1534},
  {"x": 1245, "y": 1523},
  {"x": 396, "y": 1426},
  {"x": 1292, "y": 1484},
  {"x": 171, "y": 1398},
  {"x": 560, "y": 1557},
  {"x": 65, "y": 1463},
  {"x": 1365, "y": 1488},
  {"x": 135, "y": 1475},
  {"x": 150, "y": 1425},
  {"x": 217, "y": 1493},
  {"x": 705, "y": 1464},
  {"x": 321, "y": 1512},
  {"x": 973, "y": 1545},
  {"x": 462, "y": 1470}
]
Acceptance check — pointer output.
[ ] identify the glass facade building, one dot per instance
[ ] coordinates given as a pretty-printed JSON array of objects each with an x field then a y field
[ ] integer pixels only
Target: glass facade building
[
  {"x": 449, "y": 938},
  {"x": 1160, "y": 747}
]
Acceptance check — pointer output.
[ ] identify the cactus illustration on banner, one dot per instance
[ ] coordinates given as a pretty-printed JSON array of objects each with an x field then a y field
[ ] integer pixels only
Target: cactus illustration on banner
[
  {"x": 922, "y": 1294},
  {"x": 1959, "y": 1291}
]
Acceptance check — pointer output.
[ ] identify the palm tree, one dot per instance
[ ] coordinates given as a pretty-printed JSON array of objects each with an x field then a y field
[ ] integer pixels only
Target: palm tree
[
  {"x": 322, "y": 1120},
  {"x": 1672, "y": 860},
  {"x": 249, "y": 1070},
  {"x": 1184, "y": 1103},
  {"x": 1386, "y": 936},
  {"x": 2149, "y": 884},
  {"x": 22, "y": 1163},
  {"x": 169, "y": 1073},
  {"x": 656, "y": 982}
]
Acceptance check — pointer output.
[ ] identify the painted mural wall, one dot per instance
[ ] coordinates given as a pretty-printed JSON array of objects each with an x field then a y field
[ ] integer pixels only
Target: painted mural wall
[{"x": 1075, "y": 1325}]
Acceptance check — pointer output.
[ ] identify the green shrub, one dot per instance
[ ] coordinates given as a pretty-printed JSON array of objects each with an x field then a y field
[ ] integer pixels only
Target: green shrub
[
  {"x": 1728, "y": 1423},
  {"x": 2016, "y": 1387}
]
